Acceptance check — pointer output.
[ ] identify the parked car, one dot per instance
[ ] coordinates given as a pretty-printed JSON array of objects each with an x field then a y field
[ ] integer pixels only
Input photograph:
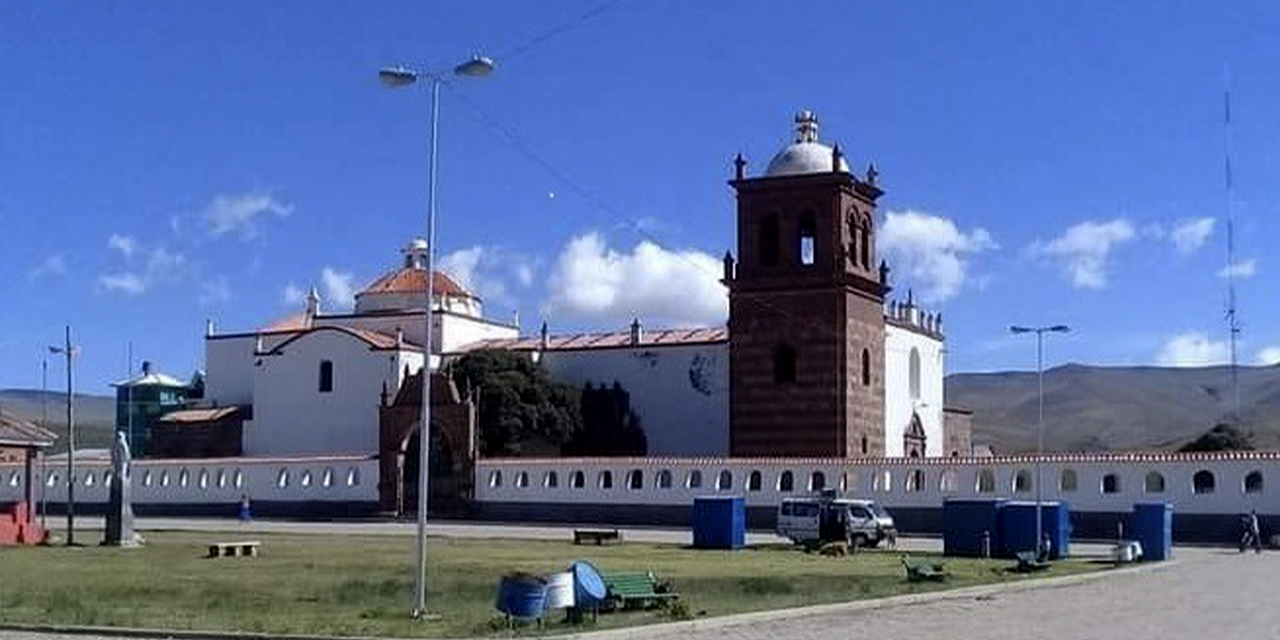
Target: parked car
[{"x": 817, "y": 520}]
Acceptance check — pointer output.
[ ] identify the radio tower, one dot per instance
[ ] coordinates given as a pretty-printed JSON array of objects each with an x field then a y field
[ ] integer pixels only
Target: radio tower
[{"x": 1233, "y": 325}]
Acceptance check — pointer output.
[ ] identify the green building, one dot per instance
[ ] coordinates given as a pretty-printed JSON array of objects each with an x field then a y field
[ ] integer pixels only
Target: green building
[{"x": 140, "y": 402}]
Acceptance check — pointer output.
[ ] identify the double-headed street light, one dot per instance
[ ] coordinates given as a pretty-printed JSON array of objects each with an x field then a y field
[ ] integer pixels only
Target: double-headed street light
[
  {"x": 70, "y": 351},
  {"x": 394, "y": 78},
  {"x": 1039, "y": 331}
]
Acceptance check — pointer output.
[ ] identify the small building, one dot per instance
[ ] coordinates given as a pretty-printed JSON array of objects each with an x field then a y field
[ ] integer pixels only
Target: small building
[
  {"x": 141, "y": 401},
  {"x": 21, "y": 441},
  {"x": 214, "y": 432}
]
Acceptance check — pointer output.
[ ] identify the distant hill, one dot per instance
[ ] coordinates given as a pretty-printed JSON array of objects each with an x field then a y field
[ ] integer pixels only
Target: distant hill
[
  {"x": 95, "y": 415},
  {"x": 1090, "y": 408}
]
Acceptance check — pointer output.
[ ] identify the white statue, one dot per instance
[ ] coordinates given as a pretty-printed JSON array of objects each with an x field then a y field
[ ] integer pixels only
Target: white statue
[{"x": 119, "y": 531}]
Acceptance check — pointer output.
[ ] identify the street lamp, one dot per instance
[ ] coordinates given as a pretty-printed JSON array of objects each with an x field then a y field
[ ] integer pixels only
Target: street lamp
[
  {"x": 395, "y": 78},
  {"x": 1039, "y": 331},
  {"x": 70, "y": 352}
]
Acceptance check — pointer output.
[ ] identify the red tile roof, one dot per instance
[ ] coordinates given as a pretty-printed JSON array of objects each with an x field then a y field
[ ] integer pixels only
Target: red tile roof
[
  {"x": 188, "y": 416},
  {"x": 294, "y": 322},
  {"x": 16, "y": 432},
  {"x": 410, "y": 280},
  {"x": 608, "y": 340},
  {"x": 375, "y": 339}
]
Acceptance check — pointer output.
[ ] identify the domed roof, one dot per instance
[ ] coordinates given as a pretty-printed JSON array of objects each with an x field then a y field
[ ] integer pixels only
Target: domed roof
[{"x": 806, "y": 154}]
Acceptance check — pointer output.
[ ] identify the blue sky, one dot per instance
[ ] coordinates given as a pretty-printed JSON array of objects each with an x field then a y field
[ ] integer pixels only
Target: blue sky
[{"x": 1048, "y": 162}]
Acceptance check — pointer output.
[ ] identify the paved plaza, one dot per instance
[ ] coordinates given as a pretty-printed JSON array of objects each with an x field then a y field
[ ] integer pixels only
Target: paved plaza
[{"x": 1205, "y": 594}]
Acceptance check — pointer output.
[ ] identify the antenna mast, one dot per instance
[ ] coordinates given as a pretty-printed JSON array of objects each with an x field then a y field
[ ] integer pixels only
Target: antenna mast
[{"x": 1233, "y": 325}]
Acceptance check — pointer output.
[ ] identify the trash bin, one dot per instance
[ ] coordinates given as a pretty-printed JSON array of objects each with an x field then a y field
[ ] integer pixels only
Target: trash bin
[
  {"x": 1151, "y": 524},
  {"x": 719, "y": 522},
  {"x": 1018, "y": 528}
]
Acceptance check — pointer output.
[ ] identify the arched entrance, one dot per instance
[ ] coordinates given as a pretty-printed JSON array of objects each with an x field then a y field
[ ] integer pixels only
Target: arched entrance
[{"x": 448, "y": 492}]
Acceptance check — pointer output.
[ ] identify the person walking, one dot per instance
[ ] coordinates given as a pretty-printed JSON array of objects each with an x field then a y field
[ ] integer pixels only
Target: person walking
[
  {"x": 246, "y": 513},
  {"x": 1255, "y": 531}
]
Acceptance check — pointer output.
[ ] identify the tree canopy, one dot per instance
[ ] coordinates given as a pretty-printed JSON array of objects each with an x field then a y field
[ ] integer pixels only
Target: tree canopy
[
  {"x": 522, "y": 410},
  {"x": 1222, "y": 437}
]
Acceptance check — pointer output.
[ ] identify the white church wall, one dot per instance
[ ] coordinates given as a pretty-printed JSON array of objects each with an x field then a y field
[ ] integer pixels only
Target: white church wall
[
  {"x": 228, "y": 362},
  {"x": 899, "y": 399},
  {"x": 681, "y": 393},
  {"x": 293, "y": 417},
  {"x": 457, "y": 331}
]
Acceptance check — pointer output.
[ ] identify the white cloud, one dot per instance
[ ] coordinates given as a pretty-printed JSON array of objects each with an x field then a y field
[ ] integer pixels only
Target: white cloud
[
  {"x": 525, "y": 273},
  {"x": 1084, "y": 249},
  {"x": 1190, "y": 235},
  {"x": 127, "y": 282},
  {"x": 293, "y": 295},
  {"x": 1268, "y": 356},
  {"x": 486, "y": 271},
  {"x": 1193, "y": 349},
  {"x": 1240, "y": 270},
  {"x": 214, "y": 292},
  {"x": 591, "y": 281},
  {"x": 52, "y": 266},
  {"x": 239, "y": 213},
  {"x": 339, "y": 287},
  {"x": 930, "y": 252},
  {"x": 126, "y": 245}
]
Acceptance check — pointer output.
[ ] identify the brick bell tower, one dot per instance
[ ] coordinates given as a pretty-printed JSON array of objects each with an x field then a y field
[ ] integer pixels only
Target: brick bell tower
[{"x": 806, "y": 307}]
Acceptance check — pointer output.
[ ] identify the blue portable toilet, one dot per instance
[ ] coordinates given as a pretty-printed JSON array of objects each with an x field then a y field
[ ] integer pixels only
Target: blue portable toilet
[
  {"x": 719, "y": 522},
  {"x": 969, "y": 524},
  {"x": 1018, "y": 528},
  {"x": 1151, "y": 524}
]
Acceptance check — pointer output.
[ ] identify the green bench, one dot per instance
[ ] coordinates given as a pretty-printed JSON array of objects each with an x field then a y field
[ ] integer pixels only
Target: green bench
[
  {"x": 921, "y": 570},
  {"x": 635, "y": 590},
  {"x": 1028, "y": 562},
  {"x": 598, "y": 536}
]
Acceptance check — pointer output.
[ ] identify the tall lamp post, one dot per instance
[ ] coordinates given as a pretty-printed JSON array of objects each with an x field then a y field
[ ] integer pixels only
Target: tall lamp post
[
  {"x": 70, "y": 352},
  {"x": 394, "y": 78},
  {"x": 1039, "y": 331}
]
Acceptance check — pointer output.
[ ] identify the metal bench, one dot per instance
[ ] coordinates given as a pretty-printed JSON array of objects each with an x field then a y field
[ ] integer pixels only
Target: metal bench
[
  {"x": 246, "y": 548},
  {"x": 1028, "y": 562},
  {"x": 921, "y": 570},
  {"x": 598, "y": 536},
  {"x": 636, "y": 589}
]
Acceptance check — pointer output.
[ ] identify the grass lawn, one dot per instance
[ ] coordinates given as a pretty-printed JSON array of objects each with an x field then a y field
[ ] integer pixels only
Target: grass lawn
[{"x": 348, "y": 585}]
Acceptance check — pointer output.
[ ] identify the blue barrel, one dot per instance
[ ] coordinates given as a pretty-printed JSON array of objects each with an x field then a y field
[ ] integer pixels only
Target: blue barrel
[
  {"x": 968, "y": 524},
  {"x": 1018, "y": 528},
  {"x": 522, "y": 596},
  {"x": 1151, "y": 524},
  {"x": 719, "y": 522},
  {"x": 589, "y": 589}
]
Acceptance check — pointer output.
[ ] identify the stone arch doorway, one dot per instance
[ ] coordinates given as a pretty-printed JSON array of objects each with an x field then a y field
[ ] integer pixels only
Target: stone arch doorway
[
  {"x": 447, "y": 490},
  {"x": 451, "y": 456}
]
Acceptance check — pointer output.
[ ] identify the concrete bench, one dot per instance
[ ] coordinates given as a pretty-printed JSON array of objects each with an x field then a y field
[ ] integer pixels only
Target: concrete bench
[
  {"x": 598, "y": 536},
  {"x": 247, "y": 548}
]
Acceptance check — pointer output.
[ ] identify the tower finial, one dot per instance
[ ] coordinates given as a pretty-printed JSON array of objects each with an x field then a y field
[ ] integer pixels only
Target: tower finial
[
  {"x": 739, "y": 167},
  {"x": 836, "y": 157},
  {"x": 872, "y": 174},
  {"x": 806, "y": 126}
]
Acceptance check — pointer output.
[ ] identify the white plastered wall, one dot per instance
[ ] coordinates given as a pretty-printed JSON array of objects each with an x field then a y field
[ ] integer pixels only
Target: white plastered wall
[{"x": 898, "y": 400}]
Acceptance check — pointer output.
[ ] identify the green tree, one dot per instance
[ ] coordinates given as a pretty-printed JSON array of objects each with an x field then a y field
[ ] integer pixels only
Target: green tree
[
  {"x": 522, "y": 410},
  {"x": 1222, "y": 437},
  {"x": 610, "y": 427}
]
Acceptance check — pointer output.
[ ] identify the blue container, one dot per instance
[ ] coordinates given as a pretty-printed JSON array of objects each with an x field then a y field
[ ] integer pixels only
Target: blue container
[
  {"x": 968, "y": 525},
  {"x": 589, "y": 589},
  {"x": 1151, "y": 524},
  {"x": 719, "y": 522},
  {"x": 1018, "y": 528},
  {"x": 522, "y": 596}
]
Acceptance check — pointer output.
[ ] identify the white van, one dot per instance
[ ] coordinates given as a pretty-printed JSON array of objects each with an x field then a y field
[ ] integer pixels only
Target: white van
[{"x": 818, "y": 520}]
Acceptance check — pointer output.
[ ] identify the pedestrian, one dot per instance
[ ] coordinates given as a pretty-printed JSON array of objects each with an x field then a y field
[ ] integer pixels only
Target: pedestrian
[
  {"x": 1046, "y": 548},
  {"x": 246, "y": 513},
  {"x": 1255, "y": 531}
]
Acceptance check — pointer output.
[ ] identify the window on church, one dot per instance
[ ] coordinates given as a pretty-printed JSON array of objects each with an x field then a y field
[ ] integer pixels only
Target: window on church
[
  {"x": 913, "y": 372},
  {"x": 866, "y": 368},
  {"x": 754, "y": 481},
  {"x": 784, "y": 364},
  {"x": 769, "y": 240},
  {"x": 326, "y": 376},
  {"x": 852, "y": 223},
  {"x": 1253, "y": 482},
  {"x": 808, "y": 232},
  {"x": 865, "y": 245},
  {"x": 786, "y": 481}
]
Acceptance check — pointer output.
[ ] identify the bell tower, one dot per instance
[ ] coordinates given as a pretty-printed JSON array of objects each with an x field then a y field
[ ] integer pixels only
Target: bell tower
[{"x": 806, "y": 300}]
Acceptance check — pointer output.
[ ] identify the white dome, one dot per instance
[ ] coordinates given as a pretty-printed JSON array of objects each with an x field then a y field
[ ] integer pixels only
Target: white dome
[
  {"x": 804, "y": 157},
  {"x": 806, "y": 154}
]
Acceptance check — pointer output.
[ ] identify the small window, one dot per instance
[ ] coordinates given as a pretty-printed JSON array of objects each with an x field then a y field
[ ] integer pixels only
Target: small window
[
  {"x": 664, "y": 479},
  {"x": 864, "y": 444},
  {"x": 326, "y": 376},
  {"x": 164, "y": 478},
  {"x": 14, "y": 479},
  {"x": 866, "y": 369},
  {"x": 913, "y": 373},
  {"x": 786, "y": 482},
  {"x": 239, "y": 477},
  {"x": 184, "y": 478},
  {"x": 306, "y": 478},
  {"x": 753, "y": 481},
  {"x": 635, "y": 479},
  {"x": 769, "y": 240},
  {"x": 949, "y": 482},
  {"x": 326, "y": 478},
  {"x": 1022, "y": 481},
  {"x": 106, "y": 477},
  {"x": 1253, "y": 482},
  {"x": 694, "y": 481},
  {"x": 204, "y": 479},
  {"x": 808, "y": 231},
  {"x": 88, "y": 479},
  {"x": 222, "y": 478},
  {"x": 844, "y": 482},
  {"x": 282, "y": 478},
  {"x": 550, "y": 480},
  {"x": 522, "y": 479},
  {"x": 986, "y": 481},
  {"x": 578, "y": 480},
  {"x": 915, "y": 481},
  {"x": 52, "y": 480},
  {"x": 1111, "y": 483},
  {"x": 146, "y": 478},
  {"x": 865, "y": 245},
  {"x": 784, "y": 364},
  {"x": 1203, "y": 482},
  {"x": 495, "y": 479},
  {"x": 817, "y": 481},
  {"x": 605, "y": 479},
  {"x": 1068, "y": 481},
  {"x": 353, "y": 477},
  {"x": 886, "y": 481},
  {"x": 1153, "y": 482},
  {"x": 724, "y": 482}
]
